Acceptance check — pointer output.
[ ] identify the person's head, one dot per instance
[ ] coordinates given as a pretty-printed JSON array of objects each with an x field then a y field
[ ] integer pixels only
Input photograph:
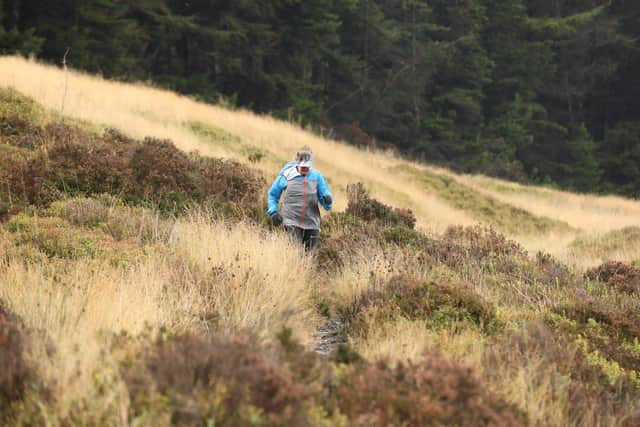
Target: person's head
[{"x": 304, "y": 160}]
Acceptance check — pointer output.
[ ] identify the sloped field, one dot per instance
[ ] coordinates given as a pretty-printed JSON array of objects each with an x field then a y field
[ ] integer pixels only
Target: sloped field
[{"x": 141, "y": 284}]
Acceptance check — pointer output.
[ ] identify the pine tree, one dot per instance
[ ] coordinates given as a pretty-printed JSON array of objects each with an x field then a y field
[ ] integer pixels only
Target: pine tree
[
  {"x": 12, "y": 38},
  {"x": 456, "y": 112}
]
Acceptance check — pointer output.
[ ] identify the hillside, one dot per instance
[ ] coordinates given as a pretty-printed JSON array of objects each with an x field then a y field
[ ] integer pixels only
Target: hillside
[
  {"x": 141, "y": 284},
  {"x": 140, "y": 111},
  {"x": 534, "y": 91}
]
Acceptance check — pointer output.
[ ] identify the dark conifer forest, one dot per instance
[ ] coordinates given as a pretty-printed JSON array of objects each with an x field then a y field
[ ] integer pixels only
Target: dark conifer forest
[{"x": 543, "y": 91}]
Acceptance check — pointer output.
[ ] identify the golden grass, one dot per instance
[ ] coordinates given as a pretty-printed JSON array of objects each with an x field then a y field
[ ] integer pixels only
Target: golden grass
[
  {"x": 262, "y": 280},
  {"x": 260, "y": 284},
  {"x": 403, "y": 339},
  {"x": 140, "y": 110},
  {"x": 364, "y": 272},
  {"x": 589, "y": 213},
  {"x": 243, "y": 278}
]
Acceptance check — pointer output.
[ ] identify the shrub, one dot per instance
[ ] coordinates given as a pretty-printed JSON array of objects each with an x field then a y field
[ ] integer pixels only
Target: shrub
[
  {"x": 160, "y": 168},
  {"x": 343, "y": 236},
  {"x": 220, "y": 380},
  {"x": 482, "y": 242},
  {"x": 561, "y": 367},
  {"x": 475, "y": 249},
  {"x": 620, "y": 276},
  {"x": 361, "y": 205},
  {"x": 227, "y": 180},
  {"x": 85, "y": 163},
  {"x": 441, "y": 303},
  {"x": 480, "y": 253},
  {"x": 433, "y": 392},
  {"x": 548, "y": 270},
  {"x": 190, "y": 380},
  {"x": 610, "y": 330},
  {"x": 14, "y": 372},
  {"x": 404, "y": 236},
  {"x": 38, "y": 164},
  {"x": 22, "y": 179}
]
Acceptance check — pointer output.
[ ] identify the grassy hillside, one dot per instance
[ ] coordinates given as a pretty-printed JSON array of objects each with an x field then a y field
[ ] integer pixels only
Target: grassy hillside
[{"x": 140, "y": 283}]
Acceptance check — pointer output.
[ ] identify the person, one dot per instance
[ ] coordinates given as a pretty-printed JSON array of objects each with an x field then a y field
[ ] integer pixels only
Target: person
[{"x": 304, "y": 188}]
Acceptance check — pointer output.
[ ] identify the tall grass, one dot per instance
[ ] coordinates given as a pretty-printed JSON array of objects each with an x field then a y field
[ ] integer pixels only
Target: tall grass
[
  {"x": 141, "y": 110},
  {"x": 208, "y": 275},
  {"x": 467, "y": 292}
]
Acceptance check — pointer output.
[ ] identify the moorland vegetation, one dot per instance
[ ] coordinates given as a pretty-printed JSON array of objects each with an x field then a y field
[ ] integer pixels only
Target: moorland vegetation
[{"x": 141, "y": 284}]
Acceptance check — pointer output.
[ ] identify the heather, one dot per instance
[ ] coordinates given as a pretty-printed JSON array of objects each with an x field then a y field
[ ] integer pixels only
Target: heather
[
  {"x": 140, "y": 284},
  {"x": 41, "y": 164}
]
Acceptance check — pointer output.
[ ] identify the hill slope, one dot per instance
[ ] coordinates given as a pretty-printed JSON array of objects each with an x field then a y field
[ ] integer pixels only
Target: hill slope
[
  {"x": 140, "y": 284},
  {"x": 539, "y": 218}
]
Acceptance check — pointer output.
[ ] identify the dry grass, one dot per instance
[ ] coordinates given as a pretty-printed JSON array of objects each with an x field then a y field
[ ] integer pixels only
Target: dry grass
[
  {"x": 140, "y": 110},
  {"x": 404, "y": 339},
  {"x": 206, "y": 275},
  {"x": 259, "y": 283},
  {"x": 589, "y": 213},
  {"x": 256, "y": 281}
]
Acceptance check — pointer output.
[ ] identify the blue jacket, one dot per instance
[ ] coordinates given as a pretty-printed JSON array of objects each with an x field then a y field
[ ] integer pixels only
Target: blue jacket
[{"x": 302, "y": 194}]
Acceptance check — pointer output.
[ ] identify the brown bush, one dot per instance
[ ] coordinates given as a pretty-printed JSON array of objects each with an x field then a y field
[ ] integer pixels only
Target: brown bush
[
  {"x": 193, "y": 380},
  {"x": 82, "y": 163},
  {"x": 433, "y": 392},
  {"x": 14, "y": 373},
  {"x": 159, "y": 167},
  {"x": 441, "y": 303},
  {"x": 39, "y": 164},
  {"x": 607, "y": 327},
  {"x": 482, "y": 242},
  {"x": 227, "y": 180},
  {"x": 361, "y": 205},
  {"x": 560, "y": 361},
  {"x": 218, "y": 378},
  {"x": 354, "y": 134},
  {"x": 550, "y": 270},
  {"x": 620, "y": 276},
  {"x": 470, "y": 249},
  {"x": 480, "y": 252}
]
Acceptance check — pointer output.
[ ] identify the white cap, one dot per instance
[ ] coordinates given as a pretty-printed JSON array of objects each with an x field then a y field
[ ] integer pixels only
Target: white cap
[{"x": 304, "y": 159}]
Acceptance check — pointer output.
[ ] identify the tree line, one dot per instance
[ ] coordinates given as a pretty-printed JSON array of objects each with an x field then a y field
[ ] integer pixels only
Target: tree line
[{"x": 542, "y": 91}]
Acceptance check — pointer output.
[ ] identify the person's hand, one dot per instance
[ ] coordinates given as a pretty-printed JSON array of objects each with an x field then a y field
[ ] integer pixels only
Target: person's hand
[
  {"x": 276, "y": 219},
  {"x": 327, "y": 199}
]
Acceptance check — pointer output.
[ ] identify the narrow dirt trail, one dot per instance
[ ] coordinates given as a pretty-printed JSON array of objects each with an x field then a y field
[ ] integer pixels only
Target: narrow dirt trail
[{"x": 329, "y": 336}]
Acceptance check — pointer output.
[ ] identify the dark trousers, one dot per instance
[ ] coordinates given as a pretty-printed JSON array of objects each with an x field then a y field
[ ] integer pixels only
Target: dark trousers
[{"x": 308, "y": 237}]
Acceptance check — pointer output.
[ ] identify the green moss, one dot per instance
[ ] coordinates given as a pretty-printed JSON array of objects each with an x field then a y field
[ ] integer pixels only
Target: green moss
[
  {"x": 232, "y": 143},
  {"x": 14, "y": 104},
  {"x": 54, "y": 236},
  {"x": 503, "y": 216},
  {"x": 403, "y": 236},
  {"x": 608, "y": 243}
]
